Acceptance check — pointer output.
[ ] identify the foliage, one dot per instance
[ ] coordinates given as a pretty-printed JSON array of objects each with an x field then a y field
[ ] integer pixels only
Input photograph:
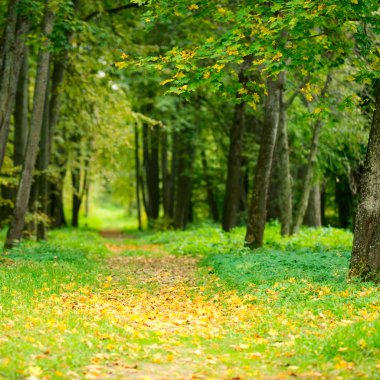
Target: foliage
[{"x": 206, "y": 238}]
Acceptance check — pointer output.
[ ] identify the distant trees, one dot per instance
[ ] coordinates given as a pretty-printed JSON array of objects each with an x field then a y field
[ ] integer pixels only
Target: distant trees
[{"x": 265, "y": 115}]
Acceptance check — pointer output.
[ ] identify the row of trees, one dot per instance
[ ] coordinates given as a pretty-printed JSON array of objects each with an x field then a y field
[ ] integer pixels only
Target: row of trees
[{"x": 228, "y": 110}]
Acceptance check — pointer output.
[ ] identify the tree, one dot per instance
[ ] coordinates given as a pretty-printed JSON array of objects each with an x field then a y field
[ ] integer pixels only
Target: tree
[
  {"x": 365, "y": 260},
  {"x": 18, "y": 218}
]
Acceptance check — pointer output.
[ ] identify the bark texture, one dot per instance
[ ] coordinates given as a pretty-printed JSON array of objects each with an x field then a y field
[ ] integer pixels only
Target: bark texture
[
  {"x": 21, "y": 115},
  {"x": 258, "y": 206},
  {"x": 365, "y": 260},
  {"x": 313, "y": 217}
]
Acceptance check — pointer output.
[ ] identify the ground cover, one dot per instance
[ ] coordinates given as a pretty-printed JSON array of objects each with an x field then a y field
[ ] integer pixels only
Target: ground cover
[{"x": 182, "y": 305}]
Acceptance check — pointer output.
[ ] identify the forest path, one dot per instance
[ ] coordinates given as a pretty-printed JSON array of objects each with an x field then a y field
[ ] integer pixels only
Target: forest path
[{"x": 158, "y": 301}]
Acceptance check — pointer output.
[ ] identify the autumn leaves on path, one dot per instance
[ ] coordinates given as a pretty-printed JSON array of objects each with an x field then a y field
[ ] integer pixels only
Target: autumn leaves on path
[
  {"x": 158, "y": 300},
  {"x": 157, "y": 315}
]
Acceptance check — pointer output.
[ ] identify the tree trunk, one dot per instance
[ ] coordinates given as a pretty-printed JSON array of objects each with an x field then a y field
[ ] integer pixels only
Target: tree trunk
[
  {"x": 185, "y": 178},
  {"x": 308, "y": 180},
  {"x": 365, "y": 260},
  {"x": 210, "y": 190},
  {"x": 313, "y": 217},
  {"x": 137, "y": 170},
  {"x": 80, "y": 182},
  {"x": 18, "y": 219},
  {"x": 258, "y": 207},
  {"x": 13, "y": 58},
  {"x": 76, "y": 199},
  {"x": 55, "y": 98},
  {"x": 8, "y": 192},
  {"x": 345, "y": 202},
  {"x": 154, "y": 178},
  {"x": 234, "y": 174},
  {"x": 173, "y": 174},
  {"x": 151, "y": 170},
  {"x": 323, "y": 202},
  {"x": 283, "y": 166},
  {"x": 42, "y": 166},
  {"x": 56, "y": 210},
  {"x": 165, "y": 173},
  {"x": 21, "y": 115}
]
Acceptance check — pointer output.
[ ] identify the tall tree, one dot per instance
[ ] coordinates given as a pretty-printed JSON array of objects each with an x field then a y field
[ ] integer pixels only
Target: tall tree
[
  {"x": 258, "y": 206},
  {"x": 365, "y": 260},
  {"x": 12, "y": 58},
  {"x": 18, "y": 219},
  {"x": 312, "y": 159}
]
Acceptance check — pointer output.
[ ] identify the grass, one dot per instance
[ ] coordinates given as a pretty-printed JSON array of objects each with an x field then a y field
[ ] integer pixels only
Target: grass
[{"x": 71, "y": 308}]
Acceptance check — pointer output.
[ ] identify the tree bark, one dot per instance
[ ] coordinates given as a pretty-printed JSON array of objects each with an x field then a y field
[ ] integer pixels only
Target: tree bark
[
  {"x": 13, "y": 57},
  {"x": 151, "y": 170},
  {"x": 365, "y": 259},
  {"x": 234, "y": 171},
  {"x": 186, "y": 156},
  {"x": 18, "y": 219},
  {"x": 154, "y": 178},
  {"x": 9, "y": 192},
  {"x": 313, "y": 217},
  {"x": 42, "y": 166},
  {"x": 80, "y": 181},
  {"x": 76, "y": 199},
  {"x": 21, "y": 115},
  {"x": 173, "y": 174},
  {"x": 165, "y": 173},
  {"x": 312, "y": 160},
  {"x": 56, "y": 210},
  {"x": 283, "y": 166},
  {"x": 258, "y": 206},
  {"x": 210, "y": 190},
  {"x": 137, "y": 170},
  {"x": 345, "y": 201}
]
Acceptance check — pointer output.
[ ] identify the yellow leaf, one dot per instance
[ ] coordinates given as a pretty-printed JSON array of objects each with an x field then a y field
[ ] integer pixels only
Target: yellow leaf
[
  {"x": 179, "y": 75},
  {"x": 120, "y": 65},
  {"x": 277, "y": 57}
]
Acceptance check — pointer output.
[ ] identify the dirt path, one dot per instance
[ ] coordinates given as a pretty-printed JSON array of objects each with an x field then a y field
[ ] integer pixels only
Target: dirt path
[
  {"x": 178, "y": 328},
  {"x": 161, "y": 298}
]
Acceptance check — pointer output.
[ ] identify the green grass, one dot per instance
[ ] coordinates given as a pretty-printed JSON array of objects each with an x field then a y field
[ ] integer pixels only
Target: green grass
[{"x": 285, "y": 310}]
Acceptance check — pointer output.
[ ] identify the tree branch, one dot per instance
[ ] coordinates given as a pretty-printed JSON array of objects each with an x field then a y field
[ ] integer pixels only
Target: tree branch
[
  {"x": 295, "y": 93},
  {"x": 111, "y": 10}
]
